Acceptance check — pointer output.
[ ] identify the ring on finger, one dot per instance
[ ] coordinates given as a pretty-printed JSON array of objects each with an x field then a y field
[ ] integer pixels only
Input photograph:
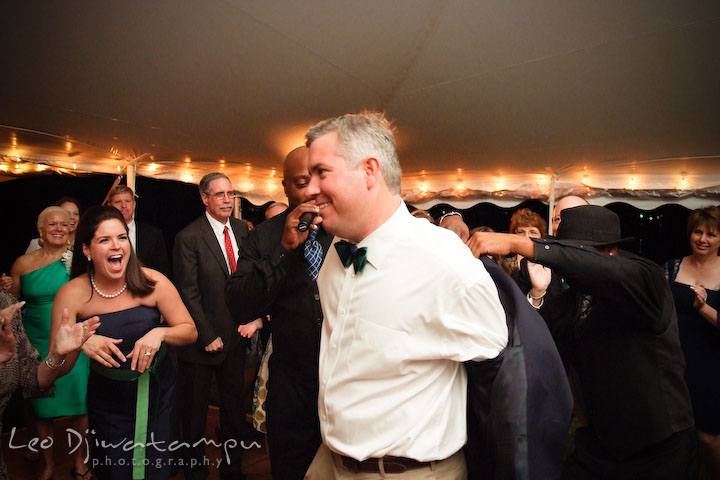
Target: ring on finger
[{"x": 148, "y": 353}]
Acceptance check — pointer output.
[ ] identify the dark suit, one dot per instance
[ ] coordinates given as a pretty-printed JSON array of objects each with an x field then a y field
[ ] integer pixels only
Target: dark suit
[
  {"x": 200, "y": 274},
  {"x": 519, "y": 404},
  {"x": 618, "y": 328},
  {"x": 271, "y": 280},
  {"x": 151, "y": 248}
]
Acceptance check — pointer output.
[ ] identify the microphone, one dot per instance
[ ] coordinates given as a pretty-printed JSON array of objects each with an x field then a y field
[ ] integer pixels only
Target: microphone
[{"x": 305, "y": 221}]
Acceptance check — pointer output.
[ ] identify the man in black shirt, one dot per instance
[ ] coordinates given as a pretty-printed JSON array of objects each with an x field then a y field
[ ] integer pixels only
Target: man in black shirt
[
  {"x": 618, "y": 328},
  {"x": 273, "y": 278}
]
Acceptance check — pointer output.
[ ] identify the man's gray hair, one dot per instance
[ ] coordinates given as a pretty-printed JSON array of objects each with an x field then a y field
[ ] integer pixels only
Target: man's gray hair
[
  {"x": 205, "y": 181},
  {"x": 361, "y": 136}
]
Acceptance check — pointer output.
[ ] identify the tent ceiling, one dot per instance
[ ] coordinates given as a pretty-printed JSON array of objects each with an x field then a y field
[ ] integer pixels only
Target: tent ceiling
[{"x": 504, "y": 91}]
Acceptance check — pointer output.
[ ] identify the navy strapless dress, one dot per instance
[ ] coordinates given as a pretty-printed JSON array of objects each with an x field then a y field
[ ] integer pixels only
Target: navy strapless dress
[
  {"x": 701, "y": 345},
  {"x": 112, "y": 403}
]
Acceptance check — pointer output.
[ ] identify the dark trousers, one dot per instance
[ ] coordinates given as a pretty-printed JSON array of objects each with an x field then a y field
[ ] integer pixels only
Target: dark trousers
[
  {"x": 292, "y": 424},
  {"x": 675, "y": 458},
  {"x": 194, "y": 381}
]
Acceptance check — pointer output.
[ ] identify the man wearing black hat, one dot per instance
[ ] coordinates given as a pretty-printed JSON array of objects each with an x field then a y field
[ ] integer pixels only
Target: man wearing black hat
[{"x": 617, "y": 327}]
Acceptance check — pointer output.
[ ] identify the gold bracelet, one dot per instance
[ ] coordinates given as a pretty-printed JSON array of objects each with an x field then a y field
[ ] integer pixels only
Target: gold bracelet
[
  {"x": 52, "y": 365},
  {"x": 537, "y": 298}
]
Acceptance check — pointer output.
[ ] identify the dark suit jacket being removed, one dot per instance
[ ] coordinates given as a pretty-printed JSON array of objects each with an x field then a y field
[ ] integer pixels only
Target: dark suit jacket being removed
[{"x": 519, "y": 403}]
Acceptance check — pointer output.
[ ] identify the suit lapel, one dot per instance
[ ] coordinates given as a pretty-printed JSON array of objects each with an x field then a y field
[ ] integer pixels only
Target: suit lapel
[{"x": 212, "y": 243}]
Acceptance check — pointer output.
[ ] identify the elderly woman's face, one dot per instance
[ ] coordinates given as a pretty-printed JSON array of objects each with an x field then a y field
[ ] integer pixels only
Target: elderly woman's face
[
  {"x": 54, "y": 231},
  {"x": 109, "y": 249},
  {"x": 530, "y": 232}
]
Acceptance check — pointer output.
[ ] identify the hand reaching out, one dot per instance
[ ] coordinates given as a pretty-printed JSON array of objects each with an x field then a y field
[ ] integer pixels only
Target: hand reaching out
[{"x": 71, "y": 335}]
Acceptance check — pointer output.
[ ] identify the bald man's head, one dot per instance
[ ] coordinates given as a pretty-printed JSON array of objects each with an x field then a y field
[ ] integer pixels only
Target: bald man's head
[
  {"x": 296, "y": 176},
  {"x": 565, "y": 202}
]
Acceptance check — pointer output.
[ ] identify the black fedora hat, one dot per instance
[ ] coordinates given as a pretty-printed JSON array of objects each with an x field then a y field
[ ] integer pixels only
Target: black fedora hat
[{"x": 590, "y": 225}]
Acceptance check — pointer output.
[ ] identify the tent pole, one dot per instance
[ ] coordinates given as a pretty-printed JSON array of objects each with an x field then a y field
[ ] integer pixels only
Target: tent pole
[{"x": 131, "y": 176}]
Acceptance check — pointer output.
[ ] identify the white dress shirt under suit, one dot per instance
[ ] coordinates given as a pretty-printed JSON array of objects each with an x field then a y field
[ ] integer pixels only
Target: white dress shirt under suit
[{"x": 219, "y": 230}]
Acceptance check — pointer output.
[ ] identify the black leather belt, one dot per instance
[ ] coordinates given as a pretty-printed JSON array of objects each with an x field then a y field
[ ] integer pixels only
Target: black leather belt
[{"x": 390, "y": 464}]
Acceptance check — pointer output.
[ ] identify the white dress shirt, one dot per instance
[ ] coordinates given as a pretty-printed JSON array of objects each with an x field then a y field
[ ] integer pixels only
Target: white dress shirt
[
  {"x": 393, "y": 337},
  {"x": 132, "y": 234},
  {"x": 219, "y": 229}
]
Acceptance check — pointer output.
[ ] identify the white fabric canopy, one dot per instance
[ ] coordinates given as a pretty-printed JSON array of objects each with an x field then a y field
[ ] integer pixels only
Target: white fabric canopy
[{"x": 491, "y": 100}]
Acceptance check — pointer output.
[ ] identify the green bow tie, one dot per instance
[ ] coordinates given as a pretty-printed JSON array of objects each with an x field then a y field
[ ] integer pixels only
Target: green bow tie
[{"x": 350, "y": 253}]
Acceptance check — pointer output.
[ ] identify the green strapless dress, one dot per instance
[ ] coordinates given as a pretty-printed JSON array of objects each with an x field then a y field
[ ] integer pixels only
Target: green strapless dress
[{"x": 38, "y": 289}]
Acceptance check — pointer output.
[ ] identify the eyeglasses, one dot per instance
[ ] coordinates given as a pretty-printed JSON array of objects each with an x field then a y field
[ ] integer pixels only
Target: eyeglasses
[{"x": 222, "y": 195}]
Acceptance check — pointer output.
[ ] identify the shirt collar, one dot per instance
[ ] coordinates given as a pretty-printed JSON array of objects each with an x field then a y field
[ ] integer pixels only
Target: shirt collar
[
  {"x": 216, "y": 225},
  {"x": 131, "y": 225},
  {"x": 382, "y": 241}
]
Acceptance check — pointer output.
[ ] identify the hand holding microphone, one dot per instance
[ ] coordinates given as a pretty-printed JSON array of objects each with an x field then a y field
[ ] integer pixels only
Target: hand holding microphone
[
  {"x": 305, "y": 221},
  {"x": 298, "y": 222}
]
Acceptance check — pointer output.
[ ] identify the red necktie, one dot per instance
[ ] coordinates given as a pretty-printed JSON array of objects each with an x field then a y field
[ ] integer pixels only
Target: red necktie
[{"x": 229, "y": 250}]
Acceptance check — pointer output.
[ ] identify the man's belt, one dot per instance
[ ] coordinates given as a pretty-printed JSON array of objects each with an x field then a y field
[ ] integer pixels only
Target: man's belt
[{"x": 390, "y": 464}]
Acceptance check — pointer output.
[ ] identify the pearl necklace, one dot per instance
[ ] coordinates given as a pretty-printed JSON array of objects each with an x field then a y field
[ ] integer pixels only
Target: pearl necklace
[{"x": 107, "y": 295}]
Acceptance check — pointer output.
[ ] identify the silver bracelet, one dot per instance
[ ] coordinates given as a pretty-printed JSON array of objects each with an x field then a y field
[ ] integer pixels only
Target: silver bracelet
[
  {"x": 449, "y": 214},
  {"x": 52, "y": 365}
]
